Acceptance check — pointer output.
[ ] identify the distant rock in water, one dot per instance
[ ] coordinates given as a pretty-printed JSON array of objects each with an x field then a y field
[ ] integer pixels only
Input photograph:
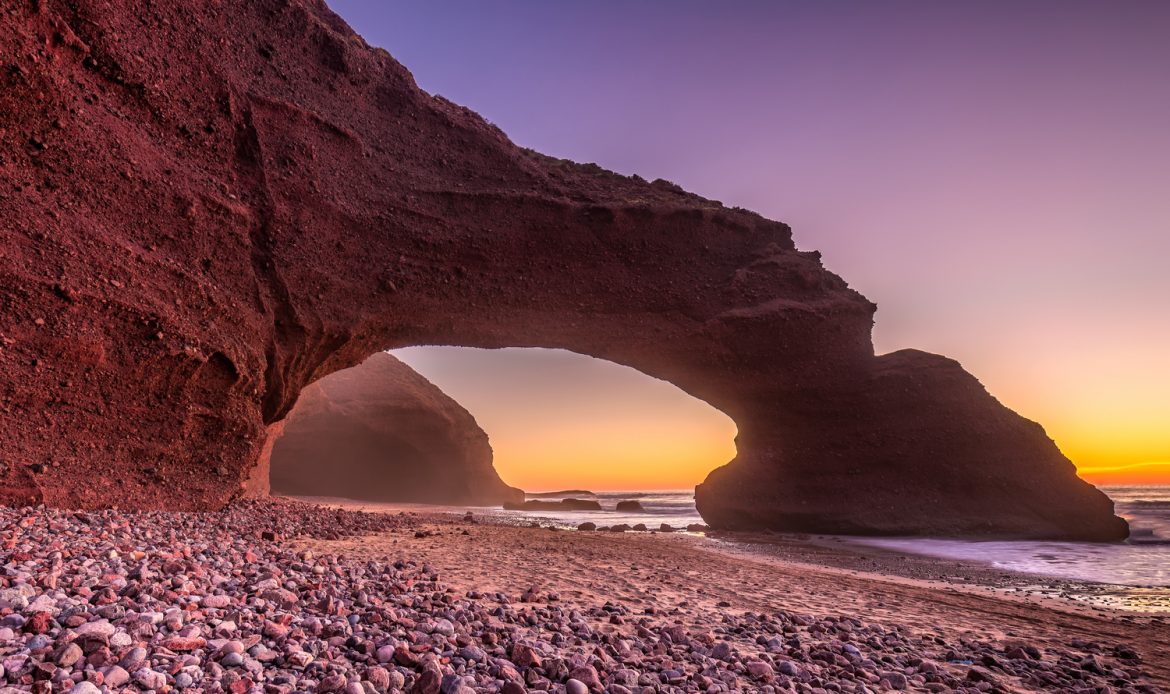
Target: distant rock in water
[
  {"x": 562, "y": 505},
  {"x": 630, "y": 506},
  {"x": 560, "y": 494},
  {"x": 382, "y": 432}
]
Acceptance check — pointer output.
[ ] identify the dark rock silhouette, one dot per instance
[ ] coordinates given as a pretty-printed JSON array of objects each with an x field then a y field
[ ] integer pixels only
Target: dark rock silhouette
[
  {"x": 558, "y": 495},
  {"x": 207, "y": 206},
  {"x": 918, "y": 438},
  {"x": 382, "y": 432},
  {"x": 630, "y": 506}
]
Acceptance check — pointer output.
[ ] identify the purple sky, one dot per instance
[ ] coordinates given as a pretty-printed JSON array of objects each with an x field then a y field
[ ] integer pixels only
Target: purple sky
[{"x": 995, "y": 175}]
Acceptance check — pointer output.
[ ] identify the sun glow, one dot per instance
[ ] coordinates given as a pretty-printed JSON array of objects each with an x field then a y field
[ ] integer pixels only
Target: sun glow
[
  {"x": 1136, "y": 473},
  {"x": 1102, "y": 395},
  {"x": 560, "y": 420}
]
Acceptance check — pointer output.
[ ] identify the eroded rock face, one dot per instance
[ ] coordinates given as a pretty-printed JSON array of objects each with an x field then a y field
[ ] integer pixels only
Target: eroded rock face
[
  {"x": 918, "y": 438},
  {"x": 207, "y": 206},
  {"x": 382, "y": 432}
]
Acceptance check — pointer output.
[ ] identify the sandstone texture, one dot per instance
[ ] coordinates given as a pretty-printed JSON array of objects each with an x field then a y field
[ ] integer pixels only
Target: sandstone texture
[
  {"x": 382, "y": 432},
  {"x": 205, "y": 207}
]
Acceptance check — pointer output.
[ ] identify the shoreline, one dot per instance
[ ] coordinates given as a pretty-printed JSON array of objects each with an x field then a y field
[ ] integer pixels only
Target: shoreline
[
  {"x": 871, "y": 583},
  {"x": 1059, "y": 592},
  {"x": 846, "y": 553}
]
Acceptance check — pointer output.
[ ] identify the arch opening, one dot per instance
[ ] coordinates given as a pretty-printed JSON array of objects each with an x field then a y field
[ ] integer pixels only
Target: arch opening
[{"x": 461, "y": 425}]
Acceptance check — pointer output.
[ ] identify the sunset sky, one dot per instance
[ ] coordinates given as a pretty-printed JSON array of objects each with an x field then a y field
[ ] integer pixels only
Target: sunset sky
[
  {"x": 995, "y": 175},
  {"x": 559, "y": 420}
]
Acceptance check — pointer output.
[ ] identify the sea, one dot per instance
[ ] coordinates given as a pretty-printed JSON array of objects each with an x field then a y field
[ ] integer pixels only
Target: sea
[
  {"x": 676, "y": 508},
  {"x": 1138, "y": 568}
]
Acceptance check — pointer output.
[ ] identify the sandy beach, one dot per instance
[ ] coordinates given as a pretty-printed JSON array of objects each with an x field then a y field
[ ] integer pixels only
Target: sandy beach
[
  {"x": 972, "y": 628},
  {"x": 280, "y": 596}
]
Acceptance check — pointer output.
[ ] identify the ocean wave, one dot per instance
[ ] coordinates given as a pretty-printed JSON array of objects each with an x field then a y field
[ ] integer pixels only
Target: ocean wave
[{"x": 1162, "y": 504}]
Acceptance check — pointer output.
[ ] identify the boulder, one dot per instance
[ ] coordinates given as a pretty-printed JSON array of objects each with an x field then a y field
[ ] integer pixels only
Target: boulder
[{"x": 630, "y": 506}]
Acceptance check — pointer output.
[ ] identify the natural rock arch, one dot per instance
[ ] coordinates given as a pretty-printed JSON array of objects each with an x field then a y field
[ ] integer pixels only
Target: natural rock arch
[{"x": 206, "y": 206}]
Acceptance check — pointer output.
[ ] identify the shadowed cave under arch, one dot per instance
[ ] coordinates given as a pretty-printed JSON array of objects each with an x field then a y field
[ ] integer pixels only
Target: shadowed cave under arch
[{"x": 199, "y": 239}]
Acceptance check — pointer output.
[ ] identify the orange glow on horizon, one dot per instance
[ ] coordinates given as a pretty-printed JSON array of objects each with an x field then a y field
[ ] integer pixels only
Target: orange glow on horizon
[
  {"x": 559, "y": 420},
  {"x": 1102, "y": 396},
  {"x": 1136, "y": 473},
  {"x": 1117, "y": 437}
]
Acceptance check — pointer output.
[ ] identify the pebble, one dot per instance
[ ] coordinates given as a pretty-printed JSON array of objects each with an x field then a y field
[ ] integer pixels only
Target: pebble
[
  {"x": 133, "y": 658},
  {"x": 150, "y": 679},
  {"x": 721, "y": 651},
  {"x": 760, "y": 670},
  {"x": 100, "y": 628},
  {"x": 69, "y": 655},
  {"x": 216, "y": 601},
  {"x": 385, "y": 654},
  {"x": 155, "y": 601},
  {"x": 116, "y": 676}
]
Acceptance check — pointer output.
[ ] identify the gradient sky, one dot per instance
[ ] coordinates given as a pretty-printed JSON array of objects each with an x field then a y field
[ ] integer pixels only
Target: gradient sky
[
  {"x": 559, "y": 420},
  {"x": 995, "y": 175}
]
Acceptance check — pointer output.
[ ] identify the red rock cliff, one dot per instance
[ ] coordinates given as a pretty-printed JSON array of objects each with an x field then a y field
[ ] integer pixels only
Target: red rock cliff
[
  {"x": 382, "y": 432},
  {"x": 206, "y": 206}
]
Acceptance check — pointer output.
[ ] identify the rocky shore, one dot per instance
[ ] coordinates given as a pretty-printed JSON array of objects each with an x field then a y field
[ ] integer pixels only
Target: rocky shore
[{"x": 280, "y": 596}]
